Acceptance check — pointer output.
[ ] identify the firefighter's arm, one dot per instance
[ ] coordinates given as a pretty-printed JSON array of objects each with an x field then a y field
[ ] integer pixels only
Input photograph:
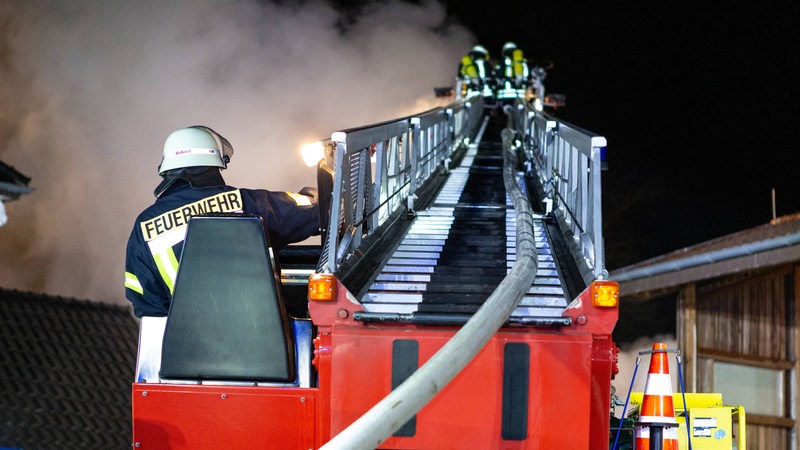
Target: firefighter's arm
[
  {"x": 311, "y": 193},
  {"x": 290, "y": 216}
]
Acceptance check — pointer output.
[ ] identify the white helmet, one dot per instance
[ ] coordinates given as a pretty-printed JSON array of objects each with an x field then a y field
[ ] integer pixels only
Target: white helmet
[
  {"x": 482, "y": 50},
  {"x": 195, "y": 146},
  {"x": 508, "y": 47}
]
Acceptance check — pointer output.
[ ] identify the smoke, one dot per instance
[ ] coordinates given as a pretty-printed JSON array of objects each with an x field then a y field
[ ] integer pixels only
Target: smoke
[{"x": 91, "y": 90}]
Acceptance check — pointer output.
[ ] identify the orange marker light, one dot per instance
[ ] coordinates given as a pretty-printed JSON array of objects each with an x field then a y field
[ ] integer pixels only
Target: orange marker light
[
  {"x": 321, "y": 287},
  {"x": 605, "y": 294}
]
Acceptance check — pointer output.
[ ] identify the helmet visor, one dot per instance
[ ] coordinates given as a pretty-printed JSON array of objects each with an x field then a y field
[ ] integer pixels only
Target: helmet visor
[{"x": 225, "y": 147}]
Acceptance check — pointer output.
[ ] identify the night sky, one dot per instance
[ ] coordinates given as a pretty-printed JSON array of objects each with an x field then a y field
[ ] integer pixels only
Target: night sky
[{"x": 700, "y": 106}]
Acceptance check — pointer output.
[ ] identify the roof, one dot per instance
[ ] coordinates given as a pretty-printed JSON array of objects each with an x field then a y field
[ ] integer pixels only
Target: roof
[
  {"x": 771, "y": 244},
  {"x": 66, "y": 372}
]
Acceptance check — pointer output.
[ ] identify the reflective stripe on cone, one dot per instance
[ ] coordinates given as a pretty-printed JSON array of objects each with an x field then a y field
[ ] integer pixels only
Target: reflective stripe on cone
[{"x": 657, "y": 408}]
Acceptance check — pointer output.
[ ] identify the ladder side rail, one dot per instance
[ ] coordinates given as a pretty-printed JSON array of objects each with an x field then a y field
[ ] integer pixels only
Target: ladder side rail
[
  {"x": 325, "y": 185},
  {"x": 433, "y": 127},
  {"x": 584, "y": 207},
  {"x": 565, "y": 207},
  {"x": 376, "y": 170},
  {"x": 459, "y": 120},
  {"x": 393, "y": 184},
  {"x": 365, "y": 197},
  {"x": 360, "y": 171},
  {"x": 467, "y": 117},
  {"x": 430, "y": 148},
  {"x": 519, "y": 116},
  {"x": 580, "y": 152},
  {"x": 567, "y": 162},
  {"x": 596, "y": 206},
  {"x": 372, "y": 172},
  {"x": 541, "y": 139},
  {"x": 446, "y": 140},
  {"x": 475, "y": 116},
  {"x": 432, "y": 145},
  {"x": 383, "y": 161},
  {"x": 417, "y": 149},
  {"x": 338, "y": 214},
  {"x": 356, "y": 192}
]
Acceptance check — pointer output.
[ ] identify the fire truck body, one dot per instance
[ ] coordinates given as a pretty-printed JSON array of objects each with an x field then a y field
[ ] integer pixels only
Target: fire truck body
[{"x": 387, "y": 301}]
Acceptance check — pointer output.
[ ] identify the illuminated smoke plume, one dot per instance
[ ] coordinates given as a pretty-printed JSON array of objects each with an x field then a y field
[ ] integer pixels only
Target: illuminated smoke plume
[{"x": 92, "y": 88}]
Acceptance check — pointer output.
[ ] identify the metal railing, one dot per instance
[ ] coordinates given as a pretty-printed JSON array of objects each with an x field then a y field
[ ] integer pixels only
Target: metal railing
[
  {"x": 567, "y": 160},
  {"x": 378, "y": 168}
]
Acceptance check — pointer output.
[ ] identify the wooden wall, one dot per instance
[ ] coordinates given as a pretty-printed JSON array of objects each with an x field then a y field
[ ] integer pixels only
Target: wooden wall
[{"x": 748, "y": 319}]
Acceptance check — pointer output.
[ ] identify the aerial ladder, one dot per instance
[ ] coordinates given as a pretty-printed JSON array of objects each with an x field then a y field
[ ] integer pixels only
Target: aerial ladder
[{"x": 458, "y": 300}]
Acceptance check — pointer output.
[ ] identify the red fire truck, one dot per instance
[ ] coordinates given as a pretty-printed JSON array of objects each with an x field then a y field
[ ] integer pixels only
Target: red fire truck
[{"x": 458, "y": 300}]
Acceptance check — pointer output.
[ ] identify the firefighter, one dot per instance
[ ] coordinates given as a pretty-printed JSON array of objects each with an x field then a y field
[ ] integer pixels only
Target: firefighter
[
  {"x": 506, "y": 68},
  {"x": 476, "y": 70},
  {"x": 514, "y": 66},
  {"x": 192, "y": 184}
]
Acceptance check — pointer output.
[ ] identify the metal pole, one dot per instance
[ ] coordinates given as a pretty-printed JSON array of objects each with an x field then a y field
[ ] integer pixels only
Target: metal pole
[
  {"x": 683, "y": 396},
  {"x": 656, "y": 437}
]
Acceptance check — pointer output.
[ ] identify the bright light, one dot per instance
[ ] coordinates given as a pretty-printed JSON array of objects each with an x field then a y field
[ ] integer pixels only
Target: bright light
[
  {"x": 312, "y": 153},
  {"x": 321, "y": 287},
  {"x": 605, "y": 293}
]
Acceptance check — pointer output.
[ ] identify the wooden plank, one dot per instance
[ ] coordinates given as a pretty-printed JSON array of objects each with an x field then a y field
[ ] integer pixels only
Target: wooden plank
[
  {"x": 687, "y": 334},
  {"x": 747, "y": 360},
  {"x": 794, "y": 314}
]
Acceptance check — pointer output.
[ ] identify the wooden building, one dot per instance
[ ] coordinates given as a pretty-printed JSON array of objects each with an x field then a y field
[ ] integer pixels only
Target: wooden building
[{"x": 737, "y": 321}]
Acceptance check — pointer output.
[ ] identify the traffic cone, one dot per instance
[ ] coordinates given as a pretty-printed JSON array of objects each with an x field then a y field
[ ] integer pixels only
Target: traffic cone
[{"x": 657, "y": 413}]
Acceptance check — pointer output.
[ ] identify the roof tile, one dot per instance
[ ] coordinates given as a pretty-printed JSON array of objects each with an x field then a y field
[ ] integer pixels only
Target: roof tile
[{"x": 66, "y": 372}]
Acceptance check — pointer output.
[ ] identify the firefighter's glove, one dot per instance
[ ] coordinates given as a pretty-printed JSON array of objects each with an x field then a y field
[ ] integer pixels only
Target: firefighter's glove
[{"x": 310, "y": 192}]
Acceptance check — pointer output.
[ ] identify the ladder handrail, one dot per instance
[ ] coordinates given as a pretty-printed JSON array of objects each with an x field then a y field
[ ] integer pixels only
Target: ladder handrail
[
  {"x": 568, "y": 164},
  {"x": 377, "y": 169}
]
